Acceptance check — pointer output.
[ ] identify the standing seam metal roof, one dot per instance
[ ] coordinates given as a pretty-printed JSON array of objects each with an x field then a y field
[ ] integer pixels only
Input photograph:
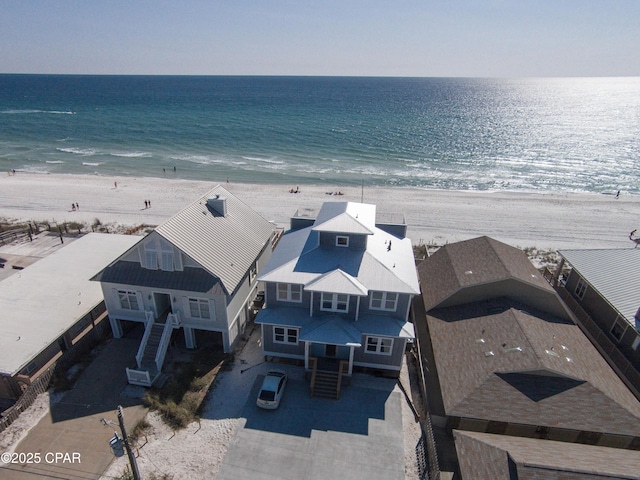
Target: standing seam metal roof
[
  {"x": 226, "y": 246},
  {"x": 613, "y": 273}
]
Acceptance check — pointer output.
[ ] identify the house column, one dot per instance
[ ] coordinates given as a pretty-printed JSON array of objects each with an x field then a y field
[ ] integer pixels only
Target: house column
[
  {"x": 351, "y": 360},
  {"x": 189, "y": 337},
  {"x": 116, "y": 327},
  {"x": 306, "y": 355}
]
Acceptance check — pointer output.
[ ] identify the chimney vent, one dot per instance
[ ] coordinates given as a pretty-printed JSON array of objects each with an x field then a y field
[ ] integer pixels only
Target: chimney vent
[{"x": 218, "y": 204}]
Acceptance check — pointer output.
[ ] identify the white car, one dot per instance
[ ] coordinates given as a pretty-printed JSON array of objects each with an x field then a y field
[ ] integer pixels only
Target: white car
[{"x": 272, "y": 389}]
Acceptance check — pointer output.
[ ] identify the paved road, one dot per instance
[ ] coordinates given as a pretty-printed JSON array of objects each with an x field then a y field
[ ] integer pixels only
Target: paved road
[
  {"x": 72, "y": 440},
  {"x": 357, "y": 437}
]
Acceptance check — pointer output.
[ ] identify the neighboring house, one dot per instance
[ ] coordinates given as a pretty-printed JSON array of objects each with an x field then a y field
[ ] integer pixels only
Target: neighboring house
[
  {"x": 51, "y": 309},
  {"x": 605, "y": 286},
  {"x": 197, "y": 271},
  {"x": 509, "y": 357},
  {"x": 338, "y": 291},
  {"x": 500, "y": 457}
]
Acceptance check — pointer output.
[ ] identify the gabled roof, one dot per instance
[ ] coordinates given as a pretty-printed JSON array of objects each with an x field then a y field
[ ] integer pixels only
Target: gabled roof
[
  {"x": 300, "y": 259},
  {"x": 613, "y": 273},
  {"x": 44, "y": 300},
  {"x": 484, "y": 455},
  {"x": 376, "y": 325},
  {"x": 501, "y": 360},
  {"x": 224, "y": 245},
  {"x": 337, "y": 281},
  {"x": 467, "y": 270}
]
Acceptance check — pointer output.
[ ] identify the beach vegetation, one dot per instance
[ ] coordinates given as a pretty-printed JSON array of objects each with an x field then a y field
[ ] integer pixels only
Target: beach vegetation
[{"x": 180, "y": 400}]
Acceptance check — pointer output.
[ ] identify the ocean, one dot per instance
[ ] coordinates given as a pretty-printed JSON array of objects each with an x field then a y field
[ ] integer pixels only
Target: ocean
[{"x": 539, "y": 135}]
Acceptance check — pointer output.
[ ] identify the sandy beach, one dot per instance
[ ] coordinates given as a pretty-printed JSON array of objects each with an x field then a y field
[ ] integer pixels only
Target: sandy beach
[{"x": 546, "y": 221}]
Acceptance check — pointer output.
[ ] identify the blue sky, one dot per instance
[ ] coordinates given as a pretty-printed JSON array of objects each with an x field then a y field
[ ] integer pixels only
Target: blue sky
[{"x": 467, "y": 38}]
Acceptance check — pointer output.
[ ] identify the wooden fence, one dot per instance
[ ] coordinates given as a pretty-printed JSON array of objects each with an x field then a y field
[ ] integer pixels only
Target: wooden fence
[{"x": 40, "y": 385}]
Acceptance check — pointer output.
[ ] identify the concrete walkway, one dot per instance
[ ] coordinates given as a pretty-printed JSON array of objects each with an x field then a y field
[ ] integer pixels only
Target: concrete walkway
[{"x": 72, "y": 440}]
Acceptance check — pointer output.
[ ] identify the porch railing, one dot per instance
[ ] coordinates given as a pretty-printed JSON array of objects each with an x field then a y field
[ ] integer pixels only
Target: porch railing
[
  {"x": 344, "y": 365},
  {"x": 163, "y": 345},
  {"x": 145, "y": 338},
  {"x": 139, "y": 377}
]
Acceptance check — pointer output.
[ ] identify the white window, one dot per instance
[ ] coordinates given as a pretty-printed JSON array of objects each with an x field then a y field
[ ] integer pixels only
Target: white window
[
  {"x": 334, "y": 302},
  {"x": 285, "y": 335},
  {"x": 379, "y": 345},
  {"x": 151, "y": 259},
  {"x": 383, "y": 301},
  {"x": 342, "y": 241},
  {"x": 167, "y": 261},
  {"x": 128, "y": 300},
  {"x": 199, "y": 308},
  {"x": 289, "y": 292},
  {"x": 619, "y": 327},
  {"x": 636, "y": 343},
  {"x": 581, "y": 287}
]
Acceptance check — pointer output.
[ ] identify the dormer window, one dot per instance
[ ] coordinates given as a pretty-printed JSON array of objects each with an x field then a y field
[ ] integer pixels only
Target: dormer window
[
  {"x": 342, "y": 241},
  {"x": 334, "y": 302}
]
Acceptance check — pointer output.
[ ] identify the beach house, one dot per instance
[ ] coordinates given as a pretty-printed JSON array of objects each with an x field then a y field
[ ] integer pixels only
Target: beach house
[
  {"x": 52, "y": 312},
  {"x": 195, "y": 272},
  {"x": 338, "y": 292},
  {"x": 509, "y": 358},
  {"x": 601, "y": 287}
]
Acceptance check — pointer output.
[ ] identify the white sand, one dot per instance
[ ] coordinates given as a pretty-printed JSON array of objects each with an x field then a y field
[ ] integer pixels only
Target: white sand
[{"x": 547, "y": 221}]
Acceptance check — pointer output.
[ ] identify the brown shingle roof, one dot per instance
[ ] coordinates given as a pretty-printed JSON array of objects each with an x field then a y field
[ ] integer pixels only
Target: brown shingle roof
[
  {"x": 474, "y": 264},
  {"x": 501, "y": 360},
  {"x": 484, "y": 455}
]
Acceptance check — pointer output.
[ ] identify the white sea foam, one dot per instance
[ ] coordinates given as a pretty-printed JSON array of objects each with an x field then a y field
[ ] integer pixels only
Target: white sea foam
[
  {"x": 92, "y": 164},
  {"x": 264, "y": 160},
  {"x": 86, "y": 152},
  {"x": 54, "y": 161},
  {"x": 28, "y": 111},
  {"x": 131, "y": 154}
]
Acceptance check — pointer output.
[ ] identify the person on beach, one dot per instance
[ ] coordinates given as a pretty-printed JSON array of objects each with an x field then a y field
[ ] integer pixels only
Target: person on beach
[
  {"x": 618, "y": 194},
  {"x": 146, "y": 205},
  {"x": 73, "y": 207},
  {"x": 115, "y": 184},
  {"x": 77, "y": 206}
]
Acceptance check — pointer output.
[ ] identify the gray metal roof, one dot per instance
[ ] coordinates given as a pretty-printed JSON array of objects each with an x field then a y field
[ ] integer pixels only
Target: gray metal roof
[
  {"x": 613, "y": 273},
  {"x": 44, "y": 300},
  {"x": 378, "y": 325},
  {"x": 346, "y": 217},
  {"x": 225, "y": 245},
  {"x": 300, "y": 260}
]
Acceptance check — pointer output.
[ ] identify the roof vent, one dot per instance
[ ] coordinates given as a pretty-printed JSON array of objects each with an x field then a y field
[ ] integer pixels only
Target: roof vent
[
  {"x": 489, "y": 353},
  {"x": 218, "y": 204},
  {"x": 513, "y": 349},
  {"x": 552, "y": 352}
]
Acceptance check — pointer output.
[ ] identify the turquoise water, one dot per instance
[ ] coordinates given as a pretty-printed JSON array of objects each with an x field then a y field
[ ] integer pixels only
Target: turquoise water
[{"x": 574, "y": 134}]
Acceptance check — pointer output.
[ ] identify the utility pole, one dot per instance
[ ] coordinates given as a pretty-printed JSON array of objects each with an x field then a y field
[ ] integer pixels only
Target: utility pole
[{"x": 125, "y": 439}]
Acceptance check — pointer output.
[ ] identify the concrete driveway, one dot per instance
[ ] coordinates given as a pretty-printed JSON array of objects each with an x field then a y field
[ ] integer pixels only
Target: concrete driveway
[
  {"x": 74, "y": 425},
  {"x": 358, "y": 436}
]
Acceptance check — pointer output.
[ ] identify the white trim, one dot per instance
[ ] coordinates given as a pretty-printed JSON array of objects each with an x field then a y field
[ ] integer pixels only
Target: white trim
[
  {"x": 636, "y": 343},
  {"x": 378, "y": 366},
  {"x": 289, "y": 296},
  {"x": 624, "y": 325},
  {"x": 283, "y": 355},
  {"x": 581, "y": 288},
  {"x": 334, "y": 302},
  {"x": 286, "y": 335},
  {"x": 383, "y": 301},
  {"x": 342, "y": 237},
  {"x": 379, "y": 345}
]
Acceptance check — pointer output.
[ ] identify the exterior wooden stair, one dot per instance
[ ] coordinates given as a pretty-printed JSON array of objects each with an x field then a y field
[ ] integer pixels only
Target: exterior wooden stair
[{"x": 325, "y": 385}]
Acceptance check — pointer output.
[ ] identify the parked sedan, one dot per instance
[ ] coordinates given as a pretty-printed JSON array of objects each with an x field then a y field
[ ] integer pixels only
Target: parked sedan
[{"x": 272, "y": 389}]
